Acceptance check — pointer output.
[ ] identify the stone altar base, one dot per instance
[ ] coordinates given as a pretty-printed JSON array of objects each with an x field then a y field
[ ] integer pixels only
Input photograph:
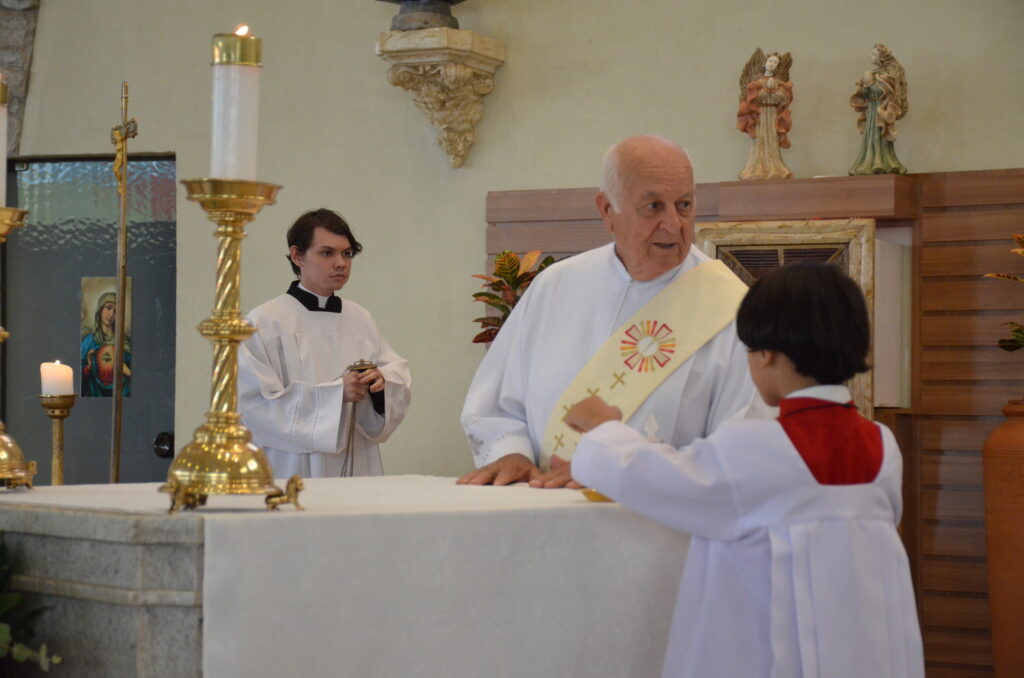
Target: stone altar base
[{"x": 123, "y": 591}]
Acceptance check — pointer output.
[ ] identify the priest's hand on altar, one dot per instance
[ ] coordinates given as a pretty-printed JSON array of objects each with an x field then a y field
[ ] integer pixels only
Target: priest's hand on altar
[
  {"x": 590, "y": 413},
  {"x": 512, "y": 468},
  {"x": 560, "y": 475}
]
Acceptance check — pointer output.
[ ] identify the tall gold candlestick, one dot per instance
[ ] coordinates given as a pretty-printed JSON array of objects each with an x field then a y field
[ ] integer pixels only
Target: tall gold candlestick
[
  {"x": 58, "y": 408},
  {"x": 221, "y": 459},
  {"x": 14, "y": 471}
]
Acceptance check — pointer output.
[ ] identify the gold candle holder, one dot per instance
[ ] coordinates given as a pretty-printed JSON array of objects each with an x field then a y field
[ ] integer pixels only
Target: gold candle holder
[
  {"x": 57, "y": 408},
  {"x": 221, "y": 459},
  {"x": 14, "y": 471}
]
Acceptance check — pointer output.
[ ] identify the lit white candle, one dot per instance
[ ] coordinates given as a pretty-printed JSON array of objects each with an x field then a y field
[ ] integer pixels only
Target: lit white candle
[
  {"x": 56, "y": 379},
  {"x": 236, "y": 92},
  {"x": 3, "y": 140}
]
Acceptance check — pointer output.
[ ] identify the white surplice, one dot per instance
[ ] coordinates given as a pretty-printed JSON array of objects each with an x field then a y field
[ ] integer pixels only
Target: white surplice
[
  {"x": 568, "y": 312},
  {"x": 290, "y": 387},
  {"x": 785, "y": 577}
]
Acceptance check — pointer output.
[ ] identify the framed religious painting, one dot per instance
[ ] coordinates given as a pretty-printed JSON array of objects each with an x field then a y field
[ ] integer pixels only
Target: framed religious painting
[
  {"x": 99, "y": 306},
  {"x": 752, "y": 248}
]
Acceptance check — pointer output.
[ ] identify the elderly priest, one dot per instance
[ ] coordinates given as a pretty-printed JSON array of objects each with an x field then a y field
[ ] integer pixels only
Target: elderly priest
[{"x": 646, "y": 322}]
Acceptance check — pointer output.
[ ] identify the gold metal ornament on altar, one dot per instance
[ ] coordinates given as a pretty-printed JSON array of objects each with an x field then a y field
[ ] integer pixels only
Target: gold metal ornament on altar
[
  {"x": 221, "y": 459},
  {"x": 14, "y": 470}
]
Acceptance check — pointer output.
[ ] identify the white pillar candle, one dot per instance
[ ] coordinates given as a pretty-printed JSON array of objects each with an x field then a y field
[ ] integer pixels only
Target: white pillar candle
[
  {"x": 56, "y": 379},
  {"x": 3, "y": 140},
  {"x": 236, "y": 93}
]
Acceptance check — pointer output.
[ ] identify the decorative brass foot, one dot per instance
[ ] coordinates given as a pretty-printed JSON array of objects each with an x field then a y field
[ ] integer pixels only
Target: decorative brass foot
[{"x": 289, "y": 496}]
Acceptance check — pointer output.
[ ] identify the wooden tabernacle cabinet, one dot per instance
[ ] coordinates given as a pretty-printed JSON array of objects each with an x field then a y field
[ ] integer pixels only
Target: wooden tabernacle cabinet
[{"x": 962, "y": 225}]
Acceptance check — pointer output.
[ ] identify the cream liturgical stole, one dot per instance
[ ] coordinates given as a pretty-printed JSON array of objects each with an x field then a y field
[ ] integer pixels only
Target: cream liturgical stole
[{"x": 648, "y": 347}]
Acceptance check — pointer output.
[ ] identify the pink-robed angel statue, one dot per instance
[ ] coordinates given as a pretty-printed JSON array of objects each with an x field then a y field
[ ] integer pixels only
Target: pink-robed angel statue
[{"x": 765, "y": 96}]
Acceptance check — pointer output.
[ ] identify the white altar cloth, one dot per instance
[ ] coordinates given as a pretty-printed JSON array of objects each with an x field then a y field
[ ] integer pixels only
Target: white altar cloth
[{"x": 413, "y": 576}]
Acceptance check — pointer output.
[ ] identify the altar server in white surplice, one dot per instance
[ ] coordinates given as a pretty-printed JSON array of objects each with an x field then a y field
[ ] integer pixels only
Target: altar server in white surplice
[
  {"x": 646, "y": 321},
  {"x": 795, "y": 567},
  {"x": 295, "y": 391}
]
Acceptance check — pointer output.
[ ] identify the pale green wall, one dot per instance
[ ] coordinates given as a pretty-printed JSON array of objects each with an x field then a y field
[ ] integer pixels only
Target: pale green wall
[{"x": 580, "y": 75}]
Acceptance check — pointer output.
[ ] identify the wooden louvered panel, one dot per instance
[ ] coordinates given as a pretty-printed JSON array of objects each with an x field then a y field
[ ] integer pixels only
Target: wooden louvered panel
[
  {"x": 987, "y": 187},
  {"x": 952, "y": 504},
  {"x": 984, "y": 363},
  {"x": 961, "y": 329},
  {"x": 955, "y": 611},
  {"x": 947, "y": 671},
  {"x": 955, "y": 434},
  {"x": 966, "y": 541},
  {"x": 944, "y": 469},
  {"x": 570, "y": 204},
  {"x": 954, "y": 575},
  {"x": 558, "y": 236},
  {"x": 934, "y": 670},
  {"x": 975, "y": 398},
  {"x": 969, "y": 294},
  {"x": 999, "y": 224},
  {"x": 962, "y": 260},
  {"x": 950, "y": 647}
]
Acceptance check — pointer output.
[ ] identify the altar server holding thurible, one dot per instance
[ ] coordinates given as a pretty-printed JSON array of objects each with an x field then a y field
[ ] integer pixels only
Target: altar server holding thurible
[{"x": 296, "y": 392}]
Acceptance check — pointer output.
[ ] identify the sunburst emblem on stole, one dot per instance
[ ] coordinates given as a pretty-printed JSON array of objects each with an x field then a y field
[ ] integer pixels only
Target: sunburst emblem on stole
[{"x": 648, "y": 345}]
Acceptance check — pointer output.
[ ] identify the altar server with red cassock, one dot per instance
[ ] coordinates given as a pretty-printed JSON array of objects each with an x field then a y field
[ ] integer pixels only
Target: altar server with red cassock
[{"x": 795, "y": 567}]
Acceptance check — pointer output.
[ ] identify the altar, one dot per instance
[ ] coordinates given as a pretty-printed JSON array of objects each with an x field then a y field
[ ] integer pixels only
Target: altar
[{"x": 391, "y": 576}]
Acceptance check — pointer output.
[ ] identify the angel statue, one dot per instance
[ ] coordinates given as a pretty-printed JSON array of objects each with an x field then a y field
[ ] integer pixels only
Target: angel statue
[
  {"x": 881, "y": 100},
  {"x": 765, "y": 95}
]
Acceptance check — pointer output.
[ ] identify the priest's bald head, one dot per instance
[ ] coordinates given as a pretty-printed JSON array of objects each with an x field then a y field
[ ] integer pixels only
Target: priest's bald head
[{"x": 647, "y": 202}]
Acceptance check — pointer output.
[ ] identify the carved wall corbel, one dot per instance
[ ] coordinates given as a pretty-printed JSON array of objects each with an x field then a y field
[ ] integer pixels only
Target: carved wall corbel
[{"x": 448, "y": 71}]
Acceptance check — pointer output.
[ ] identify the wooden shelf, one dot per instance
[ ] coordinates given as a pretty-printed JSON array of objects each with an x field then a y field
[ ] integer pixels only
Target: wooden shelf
[{"x": 882, "y": 196}]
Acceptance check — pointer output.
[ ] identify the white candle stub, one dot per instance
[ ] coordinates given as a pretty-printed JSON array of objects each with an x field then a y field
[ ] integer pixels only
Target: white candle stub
[{"x": 56, "y": 379}]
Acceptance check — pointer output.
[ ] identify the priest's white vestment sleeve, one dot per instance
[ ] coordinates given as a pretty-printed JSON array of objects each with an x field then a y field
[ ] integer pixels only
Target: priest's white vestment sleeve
[
  {"x": 785, "y": 577},
  {"x": 568, "y": 312},
  {"x": 290, "y": 387}
]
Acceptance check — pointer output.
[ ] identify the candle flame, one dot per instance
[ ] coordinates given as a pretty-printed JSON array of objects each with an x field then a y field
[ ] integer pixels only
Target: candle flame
[
  {"x": 242, "y": 29},
  {"x": 56, "y": 362}
]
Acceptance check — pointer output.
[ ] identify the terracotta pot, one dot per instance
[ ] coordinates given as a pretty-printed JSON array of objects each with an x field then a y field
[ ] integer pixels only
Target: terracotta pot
[{"x": 1004, "y": 529}]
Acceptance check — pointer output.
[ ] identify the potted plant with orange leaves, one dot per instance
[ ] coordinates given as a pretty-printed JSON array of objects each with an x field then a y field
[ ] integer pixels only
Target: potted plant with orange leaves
[{"x": 503, "y": 289}]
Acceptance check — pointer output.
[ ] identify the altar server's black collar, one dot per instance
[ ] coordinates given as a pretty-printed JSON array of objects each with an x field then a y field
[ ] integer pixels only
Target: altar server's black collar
[{"x": 311, "y": 301}]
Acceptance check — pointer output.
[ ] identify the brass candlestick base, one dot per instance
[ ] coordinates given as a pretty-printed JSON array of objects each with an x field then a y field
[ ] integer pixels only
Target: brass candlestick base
[
  {"x": 57, "y": 408},
  {"x": 221, "y": 459},
  {"x": 14, "y": 471}
]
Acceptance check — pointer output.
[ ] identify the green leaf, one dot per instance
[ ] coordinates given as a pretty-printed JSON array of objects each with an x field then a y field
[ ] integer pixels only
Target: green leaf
[
  {"x": 9, "y": 601},
  {"x": 506, "y": 266},
  {"x": 490, "y": 321},
  {"x": 5, "y": 638}
]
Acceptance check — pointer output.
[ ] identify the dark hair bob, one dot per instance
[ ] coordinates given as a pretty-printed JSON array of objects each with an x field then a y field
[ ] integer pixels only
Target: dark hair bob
[{"x": 812, "y": 313}]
